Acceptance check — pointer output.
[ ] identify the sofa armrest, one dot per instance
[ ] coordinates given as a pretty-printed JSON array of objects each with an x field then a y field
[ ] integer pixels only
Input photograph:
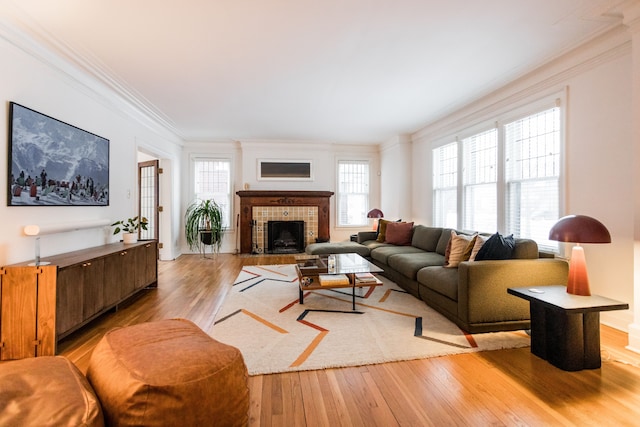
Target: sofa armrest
[
  {"x": 363, "y": 236},
  {"x": 482, "y": 286}
]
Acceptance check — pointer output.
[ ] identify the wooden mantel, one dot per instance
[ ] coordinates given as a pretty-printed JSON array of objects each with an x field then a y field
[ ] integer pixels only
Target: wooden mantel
[{"x": 251, "y": 198}]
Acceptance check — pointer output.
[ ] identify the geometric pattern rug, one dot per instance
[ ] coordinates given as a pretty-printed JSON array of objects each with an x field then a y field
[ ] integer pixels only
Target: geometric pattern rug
[{"x": 261, "y": 315}]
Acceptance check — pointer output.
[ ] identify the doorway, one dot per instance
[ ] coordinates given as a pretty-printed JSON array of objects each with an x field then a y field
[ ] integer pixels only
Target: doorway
[{"x": 148, "y": 178}]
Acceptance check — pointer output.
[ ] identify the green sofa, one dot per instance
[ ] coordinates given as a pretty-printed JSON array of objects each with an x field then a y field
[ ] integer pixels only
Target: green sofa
[{"x": 473, "y": 294}]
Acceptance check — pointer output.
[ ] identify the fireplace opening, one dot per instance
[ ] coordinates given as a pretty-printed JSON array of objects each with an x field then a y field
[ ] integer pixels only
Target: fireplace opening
[{"x": 285, "y": 237}]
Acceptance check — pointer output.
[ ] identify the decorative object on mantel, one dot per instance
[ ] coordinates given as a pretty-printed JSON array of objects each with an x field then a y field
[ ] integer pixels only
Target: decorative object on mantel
[
  {"x": 130, "y": 228},
  {"x": 203, "y": 225},
  {"x": 34, "y": 230},
  {"x": 262, "y": 316},
  {"x": 579, "y": 229},
  {"x": 376, "y": 214}
]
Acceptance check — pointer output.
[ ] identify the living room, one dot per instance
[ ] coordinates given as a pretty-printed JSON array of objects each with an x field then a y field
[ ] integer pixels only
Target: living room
[{"x": 595, "y": 83}]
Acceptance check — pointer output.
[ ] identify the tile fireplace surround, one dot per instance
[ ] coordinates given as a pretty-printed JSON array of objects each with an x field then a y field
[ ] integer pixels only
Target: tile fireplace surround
[{"x": 312, "y": 207}]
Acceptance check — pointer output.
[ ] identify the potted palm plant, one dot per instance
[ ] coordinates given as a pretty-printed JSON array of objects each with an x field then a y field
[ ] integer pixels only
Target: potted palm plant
[
  {"x": 129, "y": 228},
  {"x": 203, "y": 223}
]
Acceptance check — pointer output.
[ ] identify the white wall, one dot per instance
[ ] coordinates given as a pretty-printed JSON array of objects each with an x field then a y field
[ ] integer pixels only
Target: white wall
[
  {"x": 396, "y": 184},
  {"x": 245, "y": 156},
  {"x": 599, "y": 167},
  {"x": 31, "y": 76}
]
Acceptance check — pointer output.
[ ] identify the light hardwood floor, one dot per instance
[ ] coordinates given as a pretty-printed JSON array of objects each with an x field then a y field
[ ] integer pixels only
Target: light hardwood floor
[{"x": 504, "y": 387}]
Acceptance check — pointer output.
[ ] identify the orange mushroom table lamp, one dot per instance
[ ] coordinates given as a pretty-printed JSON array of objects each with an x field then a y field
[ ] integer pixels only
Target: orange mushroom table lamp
[
  {"x": 376, "y": 214},
  {"x": 579, "y": 229}
]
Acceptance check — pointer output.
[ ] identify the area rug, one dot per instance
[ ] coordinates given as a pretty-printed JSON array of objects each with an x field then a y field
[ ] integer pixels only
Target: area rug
[{"x": 262, "y": 316}]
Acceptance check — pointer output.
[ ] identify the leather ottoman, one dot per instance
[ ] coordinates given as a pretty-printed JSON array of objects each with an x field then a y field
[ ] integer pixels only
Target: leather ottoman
[
  {"x": 46, "y": 391},
  {"x": 168, "y": 372}
]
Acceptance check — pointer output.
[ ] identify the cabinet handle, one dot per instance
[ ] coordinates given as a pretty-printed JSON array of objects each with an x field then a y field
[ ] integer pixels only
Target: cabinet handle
[
  {"x": 86, "y": 264},
  {"x": 147, "y": 245},
  {"x": 123, "y": 253}
]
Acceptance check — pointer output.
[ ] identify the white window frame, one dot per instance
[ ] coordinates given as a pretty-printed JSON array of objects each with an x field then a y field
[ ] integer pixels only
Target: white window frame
[
  {"x": 440, "y": 190},
  {"x": 499, "y": 121},
  {"x": 341, "y": 194},
  {"x": 228, "y": 210}
]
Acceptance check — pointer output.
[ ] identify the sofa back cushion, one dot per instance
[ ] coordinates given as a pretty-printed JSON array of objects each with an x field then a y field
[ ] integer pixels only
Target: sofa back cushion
[
  {"x": 525, "y": 249},
  {"x": 443, "y": 241},
  {"x": 426, "y": 238}
]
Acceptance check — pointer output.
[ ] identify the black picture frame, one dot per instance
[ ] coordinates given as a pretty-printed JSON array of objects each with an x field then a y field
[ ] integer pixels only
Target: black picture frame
[{"x": 52, "y": 163}]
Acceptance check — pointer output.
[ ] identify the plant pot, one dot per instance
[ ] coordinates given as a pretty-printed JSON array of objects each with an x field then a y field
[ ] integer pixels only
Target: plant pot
[
  {"x": 129, "y": 238},
  {"x": 206, "y": 237}
]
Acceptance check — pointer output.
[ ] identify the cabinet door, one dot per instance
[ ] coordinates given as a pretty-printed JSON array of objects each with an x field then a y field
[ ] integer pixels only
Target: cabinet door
[
  {"x": 93, "y": 287},
  {"x": 112, "y": 279},
  {"x": 128, "y": 260},
  {"x": 147, "y": 264},
  {"x": 119, "y": 276},
  {"x": 69, "y": 298},
  {"x": 18, "y": 295}
]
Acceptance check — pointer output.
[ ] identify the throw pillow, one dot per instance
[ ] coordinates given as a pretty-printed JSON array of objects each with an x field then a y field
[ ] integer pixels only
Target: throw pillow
[
  {"x": 399, "y": 233},
  {"x": 459, "y": 249},
  {"x": 497, "y": 247},
  {"x": 480, "y": 240},
  {"x": 382, "y": 230}
]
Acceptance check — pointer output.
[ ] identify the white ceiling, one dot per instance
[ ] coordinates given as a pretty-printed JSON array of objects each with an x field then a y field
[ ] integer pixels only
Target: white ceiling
[{"x": 350, "y": 71}]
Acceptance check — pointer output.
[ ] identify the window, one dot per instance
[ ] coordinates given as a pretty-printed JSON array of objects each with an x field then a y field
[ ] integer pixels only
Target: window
[
  {"x": 532, "y": 159},
  {"x": 510, "y": 179},
  {"x": 445, "y": 185},
  {"x": 353, "y": 193},
  {"x": 479, "y": 181},
  {"x": 212, "y": 180}
]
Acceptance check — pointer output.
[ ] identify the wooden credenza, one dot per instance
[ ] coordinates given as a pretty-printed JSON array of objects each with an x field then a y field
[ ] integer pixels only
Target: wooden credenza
[{"x": 40, "y": 305}]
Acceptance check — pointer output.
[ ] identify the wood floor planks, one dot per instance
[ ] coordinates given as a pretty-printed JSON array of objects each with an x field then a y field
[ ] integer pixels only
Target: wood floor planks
[{"x": 503, "y": 388}]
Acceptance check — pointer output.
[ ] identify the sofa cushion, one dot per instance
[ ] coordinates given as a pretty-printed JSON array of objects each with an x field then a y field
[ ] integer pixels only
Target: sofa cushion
[
  {"x": 480, "y": 239},
  {"x": 382, "y": 230},
  {"x": 399, "y": 233},
  {"x": 337, "y": 248},
  {"x": 426, "y": 238},
  {"x": 372, "y": 244},
  {"x": 441, "y": 280},
  {"x": 443, "y": 241},
  {"x": 409, "y": 264},
  {"x": 525, "y": 249},
  {"x": 497, "y": 247},
  {"x": 382, "y": 253},
  {"x": 458, "y": 249}
]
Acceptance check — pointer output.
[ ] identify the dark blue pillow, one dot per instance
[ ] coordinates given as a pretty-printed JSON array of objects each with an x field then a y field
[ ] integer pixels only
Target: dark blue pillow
[{"x": 497, "y": 247}]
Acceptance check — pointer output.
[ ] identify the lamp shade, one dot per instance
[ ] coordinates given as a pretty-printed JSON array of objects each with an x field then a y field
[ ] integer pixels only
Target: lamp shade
[
  {"x": 31, "y": 230},
  {"x": 375, "y": 213},
  {"x": 579, "y": 229}
]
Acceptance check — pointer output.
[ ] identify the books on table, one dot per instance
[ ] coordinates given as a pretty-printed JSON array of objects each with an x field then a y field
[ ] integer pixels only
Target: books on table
[
  {"x": 333, "y": 279},
  {"x": 366, "y": 278}
]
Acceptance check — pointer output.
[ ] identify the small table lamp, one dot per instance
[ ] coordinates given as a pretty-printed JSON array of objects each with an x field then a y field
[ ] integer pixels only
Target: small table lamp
[
  {"x": 579, "y": 229},
  {"x": 376, "y": 214},
  {"x": 34, "y": 230}
]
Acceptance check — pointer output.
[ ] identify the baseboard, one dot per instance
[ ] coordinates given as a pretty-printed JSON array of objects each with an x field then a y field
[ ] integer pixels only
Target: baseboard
[{"x": 634, "y": 338}]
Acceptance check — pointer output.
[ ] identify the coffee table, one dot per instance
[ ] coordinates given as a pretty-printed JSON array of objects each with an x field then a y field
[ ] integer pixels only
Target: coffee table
[{"x": 310, "y": 268}]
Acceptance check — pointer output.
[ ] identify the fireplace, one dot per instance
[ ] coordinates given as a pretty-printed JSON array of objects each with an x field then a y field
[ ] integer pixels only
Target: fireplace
[
  {"x": 252, "y": 213},
  {"x": 285, "y": 237}
]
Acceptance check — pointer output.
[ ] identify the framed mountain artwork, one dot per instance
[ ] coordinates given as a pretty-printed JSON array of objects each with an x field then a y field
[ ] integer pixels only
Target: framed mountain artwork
[{"x": 52, "y": 163}]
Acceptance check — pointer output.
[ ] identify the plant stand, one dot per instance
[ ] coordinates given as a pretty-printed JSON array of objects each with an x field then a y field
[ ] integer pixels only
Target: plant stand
[{"x": 205, "y": 240}]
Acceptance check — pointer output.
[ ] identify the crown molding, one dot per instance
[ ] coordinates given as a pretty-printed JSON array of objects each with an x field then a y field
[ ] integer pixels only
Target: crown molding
[
  {"x": 85, "y": 75},
  {"x": 547, "y": 78}
]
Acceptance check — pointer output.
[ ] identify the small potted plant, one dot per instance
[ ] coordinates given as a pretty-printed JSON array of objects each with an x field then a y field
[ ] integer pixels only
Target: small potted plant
[
  {"x": 203, "y": 223},
  {"x": 130, "y": 228}
]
